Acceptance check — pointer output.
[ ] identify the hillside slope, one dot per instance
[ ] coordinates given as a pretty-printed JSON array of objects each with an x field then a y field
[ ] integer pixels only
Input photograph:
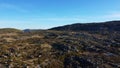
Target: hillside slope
[{"x": 102, "y": 26}]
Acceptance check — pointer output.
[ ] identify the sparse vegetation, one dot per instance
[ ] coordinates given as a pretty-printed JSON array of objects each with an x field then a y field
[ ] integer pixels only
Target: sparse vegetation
[{"x": 59, "y": 49}]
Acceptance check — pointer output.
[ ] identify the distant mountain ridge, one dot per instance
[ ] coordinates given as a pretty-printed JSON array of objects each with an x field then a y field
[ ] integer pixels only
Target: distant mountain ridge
[{"x": 100, "y": 26}]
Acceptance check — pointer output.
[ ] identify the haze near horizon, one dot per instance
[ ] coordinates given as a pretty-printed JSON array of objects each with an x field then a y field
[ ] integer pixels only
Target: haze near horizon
[{"x": 44, "y": 14}]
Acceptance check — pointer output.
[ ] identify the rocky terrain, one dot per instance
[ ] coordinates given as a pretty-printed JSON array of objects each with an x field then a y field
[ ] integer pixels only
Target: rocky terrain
[{"x": 62, "y": 47}]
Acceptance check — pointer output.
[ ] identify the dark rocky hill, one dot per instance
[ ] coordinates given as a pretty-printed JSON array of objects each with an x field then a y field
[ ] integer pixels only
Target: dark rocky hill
[{"x": 100, "y": 26}]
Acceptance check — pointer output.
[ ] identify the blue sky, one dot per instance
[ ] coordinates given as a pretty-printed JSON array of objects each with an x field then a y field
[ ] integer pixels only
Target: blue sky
[{"x": 43, "y": 14}]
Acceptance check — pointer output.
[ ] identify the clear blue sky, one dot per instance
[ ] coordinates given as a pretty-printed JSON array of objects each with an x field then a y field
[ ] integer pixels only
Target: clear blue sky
[{"x": 43, "y": 14}]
